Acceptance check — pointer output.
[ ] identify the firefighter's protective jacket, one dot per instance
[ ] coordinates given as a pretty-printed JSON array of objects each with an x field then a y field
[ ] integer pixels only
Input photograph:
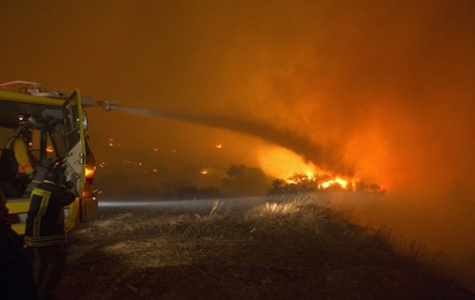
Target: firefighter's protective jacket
[
  {"x": 45, "y": 222},
  {"x": 22, "y": 155}
]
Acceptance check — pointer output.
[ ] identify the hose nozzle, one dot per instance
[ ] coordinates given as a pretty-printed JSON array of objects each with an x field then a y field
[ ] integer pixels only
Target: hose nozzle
[{"x": 106, "y": 104}]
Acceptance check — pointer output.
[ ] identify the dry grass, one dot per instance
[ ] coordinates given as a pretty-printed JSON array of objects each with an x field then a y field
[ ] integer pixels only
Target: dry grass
[{"x": 294, "y": 248}]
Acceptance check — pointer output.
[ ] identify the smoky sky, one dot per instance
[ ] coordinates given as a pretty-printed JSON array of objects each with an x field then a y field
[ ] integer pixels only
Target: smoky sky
[
  {"x": 383, "y": 90},
  {"x": 358, "y": 85}
]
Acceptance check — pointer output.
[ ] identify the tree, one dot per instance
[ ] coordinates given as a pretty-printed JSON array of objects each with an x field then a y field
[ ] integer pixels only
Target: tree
[{"x": 242, "y": 181}]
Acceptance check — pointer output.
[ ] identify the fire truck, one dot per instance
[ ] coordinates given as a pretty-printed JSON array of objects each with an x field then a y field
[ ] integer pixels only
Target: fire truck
[{"x": 59, "y": 125}]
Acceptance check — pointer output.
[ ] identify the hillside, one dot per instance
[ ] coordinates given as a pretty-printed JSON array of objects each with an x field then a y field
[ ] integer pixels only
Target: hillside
[{"x": 290, "y": 250}]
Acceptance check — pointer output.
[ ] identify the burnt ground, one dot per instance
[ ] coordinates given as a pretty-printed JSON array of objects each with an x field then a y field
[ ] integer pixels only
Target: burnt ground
[{"x": 293, "y": 250}]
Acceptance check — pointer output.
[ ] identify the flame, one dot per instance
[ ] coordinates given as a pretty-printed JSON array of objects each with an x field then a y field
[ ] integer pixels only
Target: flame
[
  {"x": 282, "y": 163},
  {"x": 337, "y": 181}
]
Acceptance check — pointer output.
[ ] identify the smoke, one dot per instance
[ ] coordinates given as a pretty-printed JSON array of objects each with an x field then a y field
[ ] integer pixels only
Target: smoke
[{"x": 382, "y": 90}]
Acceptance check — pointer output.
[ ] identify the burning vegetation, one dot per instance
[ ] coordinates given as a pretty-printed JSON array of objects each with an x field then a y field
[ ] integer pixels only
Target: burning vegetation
[{"x": 322, "y": 182}]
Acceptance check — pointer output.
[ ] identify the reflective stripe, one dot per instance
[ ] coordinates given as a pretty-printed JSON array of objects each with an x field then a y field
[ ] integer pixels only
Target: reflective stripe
[
  {"x": 22, "y": 169},
  {"x": 43, "y": 241},
  {"x": 45, "y": 195}
]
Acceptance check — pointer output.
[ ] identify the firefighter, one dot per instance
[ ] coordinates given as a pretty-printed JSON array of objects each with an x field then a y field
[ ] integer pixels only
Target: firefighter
[
  {"x": 16, "y": 279},
  {"x": 17, "y": 163},
  {"x": 45, "y": 234}
]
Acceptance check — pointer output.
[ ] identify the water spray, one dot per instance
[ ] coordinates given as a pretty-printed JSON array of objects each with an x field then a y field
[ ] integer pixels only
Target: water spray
[{"x": 287, "y": 138}]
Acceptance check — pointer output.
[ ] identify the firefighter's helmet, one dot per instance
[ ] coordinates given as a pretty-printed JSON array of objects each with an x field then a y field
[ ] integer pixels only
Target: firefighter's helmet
[{"x": 25, "y": 128}]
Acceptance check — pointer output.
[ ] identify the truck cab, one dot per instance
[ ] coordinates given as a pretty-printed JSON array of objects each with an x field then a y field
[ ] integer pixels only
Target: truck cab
[{"x": 59, "y": 126}]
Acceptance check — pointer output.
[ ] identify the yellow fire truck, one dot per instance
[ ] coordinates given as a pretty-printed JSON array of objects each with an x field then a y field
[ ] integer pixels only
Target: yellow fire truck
[{"x": 59, "y": 124}]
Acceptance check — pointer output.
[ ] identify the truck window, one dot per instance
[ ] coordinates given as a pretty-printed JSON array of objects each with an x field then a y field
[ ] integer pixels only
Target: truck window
[{"x": 72, "y": 126}]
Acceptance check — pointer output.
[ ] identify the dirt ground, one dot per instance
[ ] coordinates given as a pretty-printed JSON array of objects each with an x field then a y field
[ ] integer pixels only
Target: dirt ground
[{"x": 284, "y": 251}]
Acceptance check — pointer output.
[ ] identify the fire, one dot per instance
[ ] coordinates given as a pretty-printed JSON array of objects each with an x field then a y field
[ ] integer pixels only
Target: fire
[
  {"x": 337, "y": 181},
  {"x": 322, "y": 181},
  {"x": 282, "y": 163},
  {"x": 296, "y": 178}
]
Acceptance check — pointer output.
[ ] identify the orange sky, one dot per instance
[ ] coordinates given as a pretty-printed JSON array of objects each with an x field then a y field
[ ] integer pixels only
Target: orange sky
[{"x": 381, "y": 89}]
